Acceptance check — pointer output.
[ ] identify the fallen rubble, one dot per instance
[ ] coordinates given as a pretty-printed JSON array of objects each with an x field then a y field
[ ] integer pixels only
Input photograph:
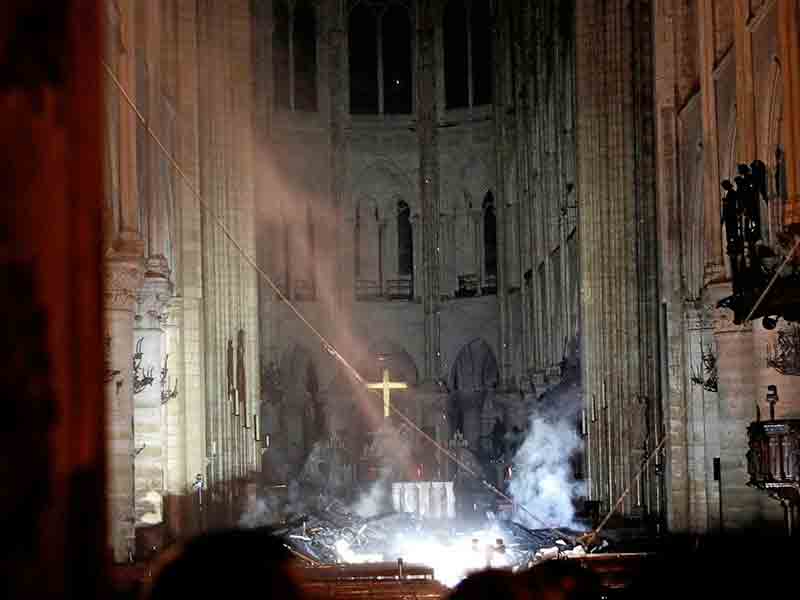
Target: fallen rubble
[{"x": 334, "y": 535}]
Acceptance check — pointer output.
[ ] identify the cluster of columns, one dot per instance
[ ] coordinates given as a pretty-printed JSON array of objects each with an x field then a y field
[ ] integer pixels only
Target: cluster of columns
[
  {"x": 536, "y": 202},
  {"x": 177, "y": 292},
  {"x": 618, "y": 257}
]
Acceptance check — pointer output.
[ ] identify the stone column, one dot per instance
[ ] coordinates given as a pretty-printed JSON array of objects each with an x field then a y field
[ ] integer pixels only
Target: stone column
[
  {"x": 789, "y": 39},
  {"x": 176, "y": 481},
  {"x": 339, "y": 118},
  {"x": 737, "y": 396},
  {"x": 416, "y": 233},
  {"x": 148, "y": 340},
  {"x": 190, "y": 218},
  {"x": 617, "y": 228},
  {"x": 126, "y": 73},
  {"x": 123, "y": 277},
  {"x": 714, "y": 263},
  {"x": 427, "y": 137}
]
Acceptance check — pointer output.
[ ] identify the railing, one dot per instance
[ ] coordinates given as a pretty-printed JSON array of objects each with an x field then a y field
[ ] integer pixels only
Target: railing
[
  {"x": 468, "y": 286},
  {"x": 490, "y": 286},
  {"x": 400, "y": 289},
  {"x": 368, "y": 289},
  {"x": 773, "y": 463}
]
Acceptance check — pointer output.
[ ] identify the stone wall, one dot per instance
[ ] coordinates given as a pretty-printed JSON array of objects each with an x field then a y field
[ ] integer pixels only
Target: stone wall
[
  {"x": 719, "y": 101},
  {"x": 619, "y": 262},
  {"x": 183, "y": 299}
]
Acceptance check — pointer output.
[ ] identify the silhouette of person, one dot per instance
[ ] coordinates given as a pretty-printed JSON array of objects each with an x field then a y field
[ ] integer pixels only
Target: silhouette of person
[{"x": 225, "y": 564}]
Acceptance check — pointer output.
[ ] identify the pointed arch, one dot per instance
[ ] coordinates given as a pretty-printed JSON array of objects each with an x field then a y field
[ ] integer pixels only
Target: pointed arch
[
  {"x": 305, "y": 419},
  {"x": 387, "y": 354},
  {"x": 475, "y": 368},
  {"x": 473, "y": 378}
]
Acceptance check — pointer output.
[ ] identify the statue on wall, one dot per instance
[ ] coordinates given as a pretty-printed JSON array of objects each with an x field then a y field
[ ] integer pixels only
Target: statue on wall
[{"x": 241, "y": 373}]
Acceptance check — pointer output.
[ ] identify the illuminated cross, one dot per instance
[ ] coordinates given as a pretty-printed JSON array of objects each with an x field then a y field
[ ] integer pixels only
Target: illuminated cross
[{"x": 386, "y": 386}]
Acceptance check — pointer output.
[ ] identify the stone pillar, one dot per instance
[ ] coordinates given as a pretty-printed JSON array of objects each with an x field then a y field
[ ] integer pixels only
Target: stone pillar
[
  {"x": 123, "y": 278},
  {"x": 617, "y": 228},
  {"x": 702, "y": 424},
  {"x": 338, "y": 258},
  {"x": 177, "y": 482},
  {"x": 427, "y": 137},
  {"x": 148, "y": 340},
  {"x": 737, "y": 396},
  {"x": 190, "y": 219},
  {"x": 789, "y": 39},
  {"x": 714, "y": 264},
  {"x": 126, "y": 73}
]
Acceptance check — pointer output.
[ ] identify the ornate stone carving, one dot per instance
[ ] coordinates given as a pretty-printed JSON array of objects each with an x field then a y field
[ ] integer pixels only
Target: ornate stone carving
[
  {"x": 708, "y": 378},
  {"x": 784, "y": 354},
  {"x": 151, "y": 303},
  {"x": 122, "y": 280}
]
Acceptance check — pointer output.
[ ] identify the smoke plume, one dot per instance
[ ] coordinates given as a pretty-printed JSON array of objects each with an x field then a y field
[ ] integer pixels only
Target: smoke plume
[
  {"x": 543, "y": 482},
  {"x": 373, "y": 501},
  {"x": 261, "y": 513},
  {"x": 543, "y": 479}
]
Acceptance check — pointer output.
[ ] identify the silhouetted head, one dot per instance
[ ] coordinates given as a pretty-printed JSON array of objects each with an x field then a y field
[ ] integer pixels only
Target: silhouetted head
[
  {"x": 752, "y": 564},
  {"x": 561, "y": 580},
  {"x": 225, "y": 563},
  {"x": 492, "y": 584}
]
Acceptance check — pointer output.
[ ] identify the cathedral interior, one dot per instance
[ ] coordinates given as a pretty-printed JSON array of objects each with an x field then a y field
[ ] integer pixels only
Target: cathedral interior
[{"x": 465, "y": 262}]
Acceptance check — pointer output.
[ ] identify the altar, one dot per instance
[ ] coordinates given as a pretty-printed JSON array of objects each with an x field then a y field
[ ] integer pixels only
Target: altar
[{"x": 427, "y": 499}]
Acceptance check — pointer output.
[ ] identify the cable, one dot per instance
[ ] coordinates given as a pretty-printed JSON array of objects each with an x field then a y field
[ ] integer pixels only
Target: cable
[
  {"x": 627, "y": 491},
  {"x": 328, "y": 346},
  {"x": 772, "y": 281}
]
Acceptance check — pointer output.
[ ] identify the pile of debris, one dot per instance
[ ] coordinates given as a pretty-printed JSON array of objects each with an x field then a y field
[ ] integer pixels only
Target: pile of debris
[{"x": 334, "y": 535}]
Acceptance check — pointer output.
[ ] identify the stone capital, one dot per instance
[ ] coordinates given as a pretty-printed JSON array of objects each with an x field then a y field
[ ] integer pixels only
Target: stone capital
[
  {"x": 721, "y": 318},
  {"x": 173, "y": 311},
  {"x": 700, "y": 317},
  {"x": 122, "y": 278},
  {"x": 152, "y": 299}
]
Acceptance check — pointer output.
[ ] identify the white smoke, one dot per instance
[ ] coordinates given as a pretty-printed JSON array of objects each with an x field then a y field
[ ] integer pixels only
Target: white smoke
[
  {"x": 373, "y": 501},
  {"x": 542, "y": 480},
  {"x": 261, "y": 513}
]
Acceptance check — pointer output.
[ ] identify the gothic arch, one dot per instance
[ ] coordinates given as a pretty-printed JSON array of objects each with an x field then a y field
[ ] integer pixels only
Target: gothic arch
[
  {"x": 475, "y": 368},
  {"x": 303, "y": 411},
  {"x": 386, "y": 354},
  {"x": 384, "y": 178},
  {"x": 473, "y": 378}
]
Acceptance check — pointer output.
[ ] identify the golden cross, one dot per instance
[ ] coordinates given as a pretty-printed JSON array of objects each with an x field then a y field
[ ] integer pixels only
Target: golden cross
[{"x": 386, "y": 386}]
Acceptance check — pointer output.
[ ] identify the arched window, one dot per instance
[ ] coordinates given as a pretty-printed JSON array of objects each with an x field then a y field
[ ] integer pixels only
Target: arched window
[
  {"x": 489, "y": 243},
  {"x": 405, "y": 240},
  {"x": 468, "y": 58},
  {"x": 396, "y": 42},
  {"x": 305, "y": 56},
  {"x": 481, "y": 52},
  {"x": 294, "y": 55},
  {"x": 363, "y": 36},
  {"x": 456, "y": 55},
  {"x": 380, "y": 60},
  {"x": 280, "y": 53}
]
